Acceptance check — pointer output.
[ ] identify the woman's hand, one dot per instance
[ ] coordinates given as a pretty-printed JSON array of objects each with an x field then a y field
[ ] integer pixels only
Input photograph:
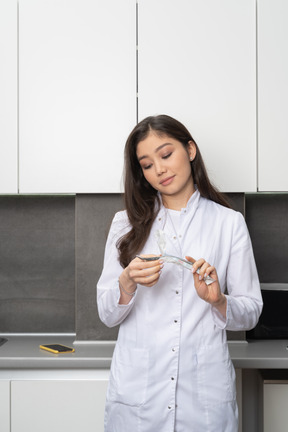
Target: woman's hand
[
  {"x": 140, "y": 272},
  {"x": 210, "y": 293}
]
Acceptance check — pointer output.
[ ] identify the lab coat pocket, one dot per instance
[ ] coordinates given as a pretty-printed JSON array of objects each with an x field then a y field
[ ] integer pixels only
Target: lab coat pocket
[
  {"x": 129, "y": 376},
  {"x": 216, "y": 375}
]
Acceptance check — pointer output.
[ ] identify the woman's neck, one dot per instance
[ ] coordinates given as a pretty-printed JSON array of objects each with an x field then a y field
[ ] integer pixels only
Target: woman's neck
[{"x": 176, "y": 203}]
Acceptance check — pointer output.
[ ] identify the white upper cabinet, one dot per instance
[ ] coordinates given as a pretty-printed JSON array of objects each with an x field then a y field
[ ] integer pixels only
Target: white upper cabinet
[
  {"x": 77, "y": 93},
  {"x": 8, "y": 97},
  {"x": 273, "y": 94},
  {"x": 197, "y": 63}
]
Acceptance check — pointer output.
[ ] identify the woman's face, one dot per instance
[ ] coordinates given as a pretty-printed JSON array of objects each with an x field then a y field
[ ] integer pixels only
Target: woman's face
[{"x": 165, "y": 163}]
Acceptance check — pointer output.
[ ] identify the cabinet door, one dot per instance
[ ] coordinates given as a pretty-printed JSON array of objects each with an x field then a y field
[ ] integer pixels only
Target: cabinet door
[
  {"x": 77, "y": 93},
  {"x": 273, "y": 94},
  {"x": 8, "y": 97},
  {"x": 58, "y": 405},
  {"x": 5, "y": 406},
  {"x": 275, "y": 407},
  {"x": 197, "y": 63}
]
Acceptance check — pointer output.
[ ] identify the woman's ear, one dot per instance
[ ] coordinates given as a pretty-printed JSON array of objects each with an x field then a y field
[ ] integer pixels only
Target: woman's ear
[{"x": 191, "y": 150}]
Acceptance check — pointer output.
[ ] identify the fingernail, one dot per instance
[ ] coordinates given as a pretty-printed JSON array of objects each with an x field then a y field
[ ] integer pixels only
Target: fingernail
[{"x": 200, "y": 277}]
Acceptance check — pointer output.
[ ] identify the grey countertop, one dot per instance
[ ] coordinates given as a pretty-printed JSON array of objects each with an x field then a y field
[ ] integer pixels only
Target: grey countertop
[
  {"x": 23, "y": 352},
  {"x": 260, "y": 354}
]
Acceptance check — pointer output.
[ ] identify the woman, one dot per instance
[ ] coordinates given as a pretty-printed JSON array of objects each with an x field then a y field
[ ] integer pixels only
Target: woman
[{"x": 171, "y": 369}]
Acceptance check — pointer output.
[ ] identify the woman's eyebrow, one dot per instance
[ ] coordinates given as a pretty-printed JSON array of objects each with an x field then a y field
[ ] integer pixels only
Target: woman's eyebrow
[{"x": 156, "y": 150}]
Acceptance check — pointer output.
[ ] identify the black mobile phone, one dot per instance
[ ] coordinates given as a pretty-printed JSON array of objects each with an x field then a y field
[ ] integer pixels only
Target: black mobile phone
[{"x": 57, "y": 348}]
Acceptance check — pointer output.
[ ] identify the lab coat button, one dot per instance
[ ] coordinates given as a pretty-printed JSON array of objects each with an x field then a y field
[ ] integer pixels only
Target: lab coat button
[
  {"x": 177, "y": 292},
  {"x": 169, "y": 407}
]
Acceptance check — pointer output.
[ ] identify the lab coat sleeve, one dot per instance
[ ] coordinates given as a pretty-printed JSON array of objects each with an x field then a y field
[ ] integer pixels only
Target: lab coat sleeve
[
  {"x": 244, "y": 300},
  {"x": 110, "y": 311}
]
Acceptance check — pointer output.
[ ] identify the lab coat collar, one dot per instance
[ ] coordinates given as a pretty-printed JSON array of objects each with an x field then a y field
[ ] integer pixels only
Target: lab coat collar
[
  {"x": 190, "y": 208},
  {"x": 192, "y": 202}
]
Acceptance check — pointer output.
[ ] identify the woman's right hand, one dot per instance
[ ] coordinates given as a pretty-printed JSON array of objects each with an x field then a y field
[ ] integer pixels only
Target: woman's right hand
[
  {"x": 141, "y": 272},
  {"x": 145, "y": 273}
]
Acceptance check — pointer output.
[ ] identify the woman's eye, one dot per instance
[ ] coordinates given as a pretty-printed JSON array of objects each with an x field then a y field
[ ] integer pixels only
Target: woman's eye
[
  {"x": 167, "y": 156},
  {"x": 146, "y": 167}
]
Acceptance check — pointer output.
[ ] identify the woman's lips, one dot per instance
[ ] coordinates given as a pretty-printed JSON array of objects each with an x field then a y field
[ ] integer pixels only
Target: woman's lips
[{"x": 167, "y": 181}]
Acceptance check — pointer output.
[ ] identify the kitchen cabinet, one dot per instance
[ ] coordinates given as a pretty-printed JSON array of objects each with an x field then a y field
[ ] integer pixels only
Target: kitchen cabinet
[
  {"x": 77, "y": 93},
  {"x": 275, "y": 400},
  {"x": 197, "y": 62},
  {"x": 5, "y": 405},
  {"x": 8, "y": 97},
  {"x": 272, "y": 94},
  {"x": 68, "y": 405},
  {"x": 70, "y": 72}
]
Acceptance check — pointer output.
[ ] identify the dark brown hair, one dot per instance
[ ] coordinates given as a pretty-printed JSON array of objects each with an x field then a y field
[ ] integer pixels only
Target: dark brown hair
[{"x": 141, "y": 199}]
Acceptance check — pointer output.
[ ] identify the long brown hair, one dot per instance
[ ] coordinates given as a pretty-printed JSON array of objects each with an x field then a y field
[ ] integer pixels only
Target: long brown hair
[{"x": 141, "y": 199}]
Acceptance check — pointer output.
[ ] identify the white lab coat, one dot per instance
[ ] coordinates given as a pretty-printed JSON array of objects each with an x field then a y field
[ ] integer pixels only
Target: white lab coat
[{"x": 171, "y": 370}]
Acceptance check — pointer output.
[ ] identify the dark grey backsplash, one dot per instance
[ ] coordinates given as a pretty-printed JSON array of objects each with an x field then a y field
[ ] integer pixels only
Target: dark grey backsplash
[
  {"x": 37, "y": 264},
  {"x": 51, "y": 256},
  {"x": 267, "y": 220},
  {"x": 94, "y": 214}
]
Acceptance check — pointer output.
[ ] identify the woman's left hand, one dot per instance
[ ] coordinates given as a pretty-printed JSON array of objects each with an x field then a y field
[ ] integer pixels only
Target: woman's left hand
[{"x": 210, "y": 293}]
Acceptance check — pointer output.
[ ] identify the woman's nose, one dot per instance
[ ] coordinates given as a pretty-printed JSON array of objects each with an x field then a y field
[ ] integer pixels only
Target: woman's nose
[{"x": 159, "y": 168}]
